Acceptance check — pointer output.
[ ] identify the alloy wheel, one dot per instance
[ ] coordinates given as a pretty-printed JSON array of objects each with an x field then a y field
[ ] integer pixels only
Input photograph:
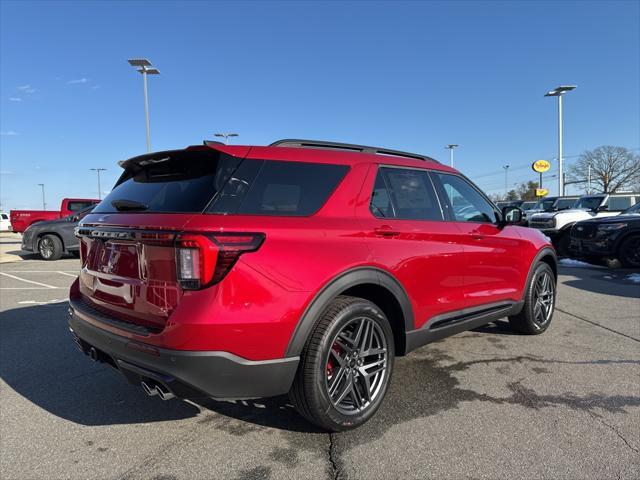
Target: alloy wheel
[
  {"x": 46, "y": 247},
  {"x": 544, "y": 297},
  {"x": 356, "y": 366}
]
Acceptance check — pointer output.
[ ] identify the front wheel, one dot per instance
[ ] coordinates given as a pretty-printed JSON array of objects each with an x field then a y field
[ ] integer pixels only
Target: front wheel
[
  {"x": 345, "y": 366},
  {"x": 539, "y": 302},
  {"x": 629, "y": 252}
]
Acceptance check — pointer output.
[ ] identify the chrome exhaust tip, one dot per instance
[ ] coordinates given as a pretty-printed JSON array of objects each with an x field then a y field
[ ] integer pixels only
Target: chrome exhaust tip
[
  {"x": 150, "y": 390},
  {"x": 93, "y": 354},
  {"x": 164, "y": 393}
]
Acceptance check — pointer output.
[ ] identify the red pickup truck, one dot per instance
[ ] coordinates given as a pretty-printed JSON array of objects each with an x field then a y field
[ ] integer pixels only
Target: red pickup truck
[{"x": 21, "y": 219}]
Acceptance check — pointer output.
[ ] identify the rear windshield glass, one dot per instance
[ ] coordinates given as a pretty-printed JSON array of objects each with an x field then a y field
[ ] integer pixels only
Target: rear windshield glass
[
  {"x": 278, "y": 188},
  {"x": 174, "y": 182}
]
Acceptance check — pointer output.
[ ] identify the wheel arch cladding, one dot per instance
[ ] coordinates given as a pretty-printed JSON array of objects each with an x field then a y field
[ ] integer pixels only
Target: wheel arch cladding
[
  {"x": 370, "y": 283},
  {"x": 548, "y": 256}
]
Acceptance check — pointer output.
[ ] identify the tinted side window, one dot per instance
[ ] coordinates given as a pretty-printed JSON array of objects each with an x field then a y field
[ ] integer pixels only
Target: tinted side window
[
  {"x": 380, "y": 204},
  {"x": 279, "y": 188},
  {"x": 619, "y": 203},
  {"x": 410, "y": 195},
  {"x": 465, "y": 203}
]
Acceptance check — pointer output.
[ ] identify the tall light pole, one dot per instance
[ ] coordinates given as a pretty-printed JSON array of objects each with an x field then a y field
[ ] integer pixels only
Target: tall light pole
[
  {"x": 98, "y": 170},
  {"x": 451, "y": 147},
  {"x": 506, "y": 180},
  {"x": 558, "y": 92},
  {"x": 226, "y": 136},
  {"x": 144, "y": 66},
  {"x": 44, "y": 204}
]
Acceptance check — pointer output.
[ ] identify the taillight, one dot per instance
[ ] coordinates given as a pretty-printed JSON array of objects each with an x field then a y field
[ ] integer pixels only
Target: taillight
[{"x": 205, "y": 259}]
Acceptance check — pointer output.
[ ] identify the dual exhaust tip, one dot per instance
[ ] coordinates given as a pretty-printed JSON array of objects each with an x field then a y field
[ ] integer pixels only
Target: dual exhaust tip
[{"x": 153, "y": 388}]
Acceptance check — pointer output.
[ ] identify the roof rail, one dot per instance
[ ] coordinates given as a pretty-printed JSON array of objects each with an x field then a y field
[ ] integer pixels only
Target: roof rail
[
  {"x": 212, "y": 142},
  {"x": 294, "y": 142}
]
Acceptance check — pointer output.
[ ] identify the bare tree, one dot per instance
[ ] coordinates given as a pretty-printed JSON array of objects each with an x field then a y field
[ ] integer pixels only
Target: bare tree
[{"x": 612, "y": 169}]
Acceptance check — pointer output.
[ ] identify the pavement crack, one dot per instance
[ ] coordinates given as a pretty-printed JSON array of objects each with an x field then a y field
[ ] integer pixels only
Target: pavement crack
[
  {"x": 614, "y": 429},
  {"x": 335, "y": 472},
  {"x": 598, "y": 325}
]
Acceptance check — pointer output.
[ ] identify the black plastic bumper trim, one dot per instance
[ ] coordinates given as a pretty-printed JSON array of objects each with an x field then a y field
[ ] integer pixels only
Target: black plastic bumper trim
[{"x": 195, "y": 374}]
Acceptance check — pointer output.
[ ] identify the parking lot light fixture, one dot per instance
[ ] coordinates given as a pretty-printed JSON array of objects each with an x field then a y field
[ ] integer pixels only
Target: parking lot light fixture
[
  {"x": 44, "y": 204},
  {"x": 144, "y": 66},
  {"x": 226, "y": 136},
  {"x": 451, "y": 147},
  {"x": 98, "y": 170},
  {"x": 559, "y": 92}
]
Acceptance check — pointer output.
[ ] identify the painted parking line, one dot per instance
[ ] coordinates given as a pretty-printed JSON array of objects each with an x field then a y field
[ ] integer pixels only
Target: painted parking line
[
  {"x": 64, "y": 272},
  {"x": 74, "y": 275},
  {"x": 24, "y": 280}
]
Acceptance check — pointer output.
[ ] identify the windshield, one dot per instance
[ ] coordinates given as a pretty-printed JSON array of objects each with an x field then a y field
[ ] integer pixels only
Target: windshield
[
  {"x": 545, "y": 204},
  {"x": 635, "y": 209},
  {"x": 528, "y": 205},
  {"x": 588, "y": 203},
  {"x": 564, "y": 203}
]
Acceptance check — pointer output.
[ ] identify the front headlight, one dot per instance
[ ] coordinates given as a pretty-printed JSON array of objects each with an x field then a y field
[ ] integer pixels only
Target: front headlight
[{"x": 608, "y": 227}]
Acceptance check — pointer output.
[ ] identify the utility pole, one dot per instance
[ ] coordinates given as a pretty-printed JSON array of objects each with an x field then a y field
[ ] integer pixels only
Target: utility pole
[
  {"x": 98, "y": 170},
  {"x": 506, "y": 180},
  {"x": 144, "y": 66},
  {"x": 44, "y": 204},
  {"x": 451, "y": 147},
  {"x": 589, "y": 179},
  {"x": 559, "y": 92}
]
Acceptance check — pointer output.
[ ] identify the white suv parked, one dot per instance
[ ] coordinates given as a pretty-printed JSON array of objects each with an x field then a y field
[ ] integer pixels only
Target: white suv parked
[{"x": 556, "y": 225}]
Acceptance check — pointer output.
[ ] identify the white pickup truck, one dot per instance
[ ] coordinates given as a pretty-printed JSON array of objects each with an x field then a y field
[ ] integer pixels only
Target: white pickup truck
[{"x": 556, "y": 225}]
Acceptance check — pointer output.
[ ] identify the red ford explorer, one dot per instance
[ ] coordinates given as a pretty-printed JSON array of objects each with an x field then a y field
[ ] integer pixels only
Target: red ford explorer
[{"x": 303, "y": 267}]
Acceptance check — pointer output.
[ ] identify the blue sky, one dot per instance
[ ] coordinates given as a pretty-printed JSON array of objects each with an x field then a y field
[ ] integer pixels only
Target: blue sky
[{"x": 413, "y": 76}]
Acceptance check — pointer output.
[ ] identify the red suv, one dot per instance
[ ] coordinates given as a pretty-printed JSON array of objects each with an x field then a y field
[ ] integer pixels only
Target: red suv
[{"x": 303, "y": 267}]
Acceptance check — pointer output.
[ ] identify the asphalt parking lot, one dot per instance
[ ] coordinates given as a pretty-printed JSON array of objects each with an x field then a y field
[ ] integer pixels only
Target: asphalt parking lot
[{"x": 483, "y": 404}]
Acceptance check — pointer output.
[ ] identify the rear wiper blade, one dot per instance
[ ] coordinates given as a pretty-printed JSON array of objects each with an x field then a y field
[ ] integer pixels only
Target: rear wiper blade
[{"x": 124, "y": 205}]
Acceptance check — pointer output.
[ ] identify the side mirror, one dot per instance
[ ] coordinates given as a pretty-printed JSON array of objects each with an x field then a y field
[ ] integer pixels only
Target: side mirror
[
  {"x": 74, "y": 218},
  {"x": 511, "y": 216}
]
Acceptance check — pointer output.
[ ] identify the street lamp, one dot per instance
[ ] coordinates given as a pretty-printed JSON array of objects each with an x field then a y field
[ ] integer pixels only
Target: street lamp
[
  {"x": 558, "y": 92},
  {"x": 226, "y": 136},
  {"x": 98, "y": 170},
  {"x": 450, "y": 147},
  {"x": 144, "y": 66},
  {"x": 506, "y": 182},
  {"x": 44, "y": 204}
]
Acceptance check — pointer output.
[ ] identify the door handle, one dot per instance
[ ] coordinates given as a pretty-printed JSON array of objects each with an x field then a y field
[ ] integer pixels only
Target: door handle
[
  {"x": 386, "y": 231},
  {"x": 477, "y": 237}
]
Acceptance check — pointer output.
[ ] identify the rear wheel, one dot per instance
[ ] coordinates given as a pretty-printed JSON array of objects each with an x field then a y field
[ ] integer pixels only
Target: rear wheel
[
  {"x": 50, "y": 247},
  {"x": 539, "y": 302},
  {"x": 346, "y": 365},
  {"x": 629, "y": 252}
]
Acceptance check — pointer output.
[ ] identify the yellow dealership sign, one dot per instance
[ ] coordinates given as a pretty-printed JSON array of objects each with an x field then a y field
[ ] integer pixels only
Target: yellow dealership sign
[
  {"x": 542, "y": 192},
  {"x": 540, "y": 166}
]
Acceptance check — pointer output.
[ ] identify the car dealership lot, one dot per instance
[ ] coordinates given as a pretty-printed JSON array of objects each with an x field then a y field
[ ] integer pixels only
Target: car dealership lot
[{"x": 482, "y": 404}]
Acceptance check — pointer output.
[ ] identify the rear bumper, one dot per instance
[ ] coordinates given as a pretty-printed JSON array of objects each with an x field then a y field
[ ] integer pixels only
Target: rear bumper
[{"x": 187, "y": 374}]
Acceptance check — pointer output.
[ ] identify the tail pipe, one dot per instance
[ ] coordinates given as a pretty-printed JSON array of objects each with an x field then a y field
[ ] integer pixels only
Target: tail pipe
[{"x": 152, "y": 388}]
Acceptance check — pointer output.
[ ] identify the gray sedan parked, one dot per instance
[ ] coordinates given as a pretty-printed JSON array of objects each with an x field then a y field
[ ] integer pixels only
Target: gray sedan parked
[{"x": 52, "y": 238}]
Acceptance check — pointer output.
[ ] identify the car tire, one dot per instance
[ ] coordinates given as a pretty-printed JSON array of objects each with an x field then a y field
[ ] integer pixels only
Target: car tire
[
  {"x": 629, "y": 252},
  {"x": 539, "y": 302},
  {"x": 343, "y": 375},
  {"x": 50, "y": 247}
]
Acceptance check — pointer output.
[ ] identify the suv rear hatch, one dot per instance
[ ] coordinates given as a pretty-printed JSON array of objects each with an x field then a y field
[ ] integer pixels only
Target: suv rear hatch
[{"x": 136, "y": 259}]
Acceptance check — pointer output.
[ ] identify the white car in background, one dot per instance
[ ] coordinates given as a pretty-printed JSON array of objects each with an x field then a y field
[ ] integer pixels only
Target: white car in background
[
  {"x": 5, "y": 224},
  {"x": 557, "y": 225}
]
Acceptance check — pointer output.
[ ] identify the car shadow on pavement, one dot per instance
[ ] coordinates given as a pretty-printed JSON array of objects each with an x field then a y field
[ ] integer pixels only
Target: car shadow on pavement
[
  {"x": 603, "y": 281},
  {"x": 40, "y": 362}
]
